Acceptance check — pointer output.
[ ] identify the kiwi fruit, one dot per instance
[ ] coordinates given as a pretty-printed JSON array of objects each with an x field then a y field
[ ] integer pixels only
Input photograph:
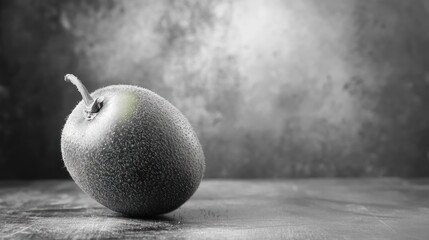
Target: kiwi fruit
[{"x": 131, "y": 150}]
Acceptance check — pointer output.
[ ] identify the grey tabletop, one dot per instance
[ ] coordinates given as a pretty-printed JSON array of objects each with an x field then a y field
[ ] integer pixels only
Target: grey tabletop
[{"x": 264, "y": 209}]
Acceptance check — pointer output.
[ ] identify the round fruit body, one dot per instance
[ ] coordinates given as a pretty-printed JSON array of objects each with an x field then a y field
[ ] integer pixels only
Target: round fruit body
[{"x": 138, "y": 156}]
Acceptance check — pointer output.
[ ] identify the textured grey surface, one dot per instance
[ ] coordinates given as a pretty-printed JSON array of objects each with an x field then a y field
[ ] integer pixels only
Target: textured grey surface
[
  {"x": 273, "y": 89},
  {"x": 314, "y": 209}
]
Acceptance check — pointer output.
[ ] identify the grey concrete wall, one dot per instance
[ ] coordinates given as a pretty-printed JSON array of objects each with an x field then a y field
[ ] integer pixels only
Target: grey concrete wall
[{"x": 279, "y": 88}]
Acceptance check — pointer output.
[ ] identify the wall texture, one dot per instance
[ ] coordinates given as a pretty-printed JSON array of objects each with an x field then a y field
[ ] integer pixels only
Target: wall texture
[{"x": 273, "y": 88}]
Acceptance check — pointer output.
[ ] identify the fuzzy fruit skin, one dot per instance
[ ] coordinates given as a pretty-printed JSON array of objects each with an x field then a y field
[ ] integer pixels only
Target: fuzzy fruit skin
[{"x": 139, "y": 156}]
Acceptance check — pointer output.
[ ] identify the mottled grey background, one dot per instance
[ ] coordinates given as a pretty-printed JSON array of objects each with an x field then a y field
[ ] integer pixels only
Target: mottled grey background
[{"x": 279, "y": 88}]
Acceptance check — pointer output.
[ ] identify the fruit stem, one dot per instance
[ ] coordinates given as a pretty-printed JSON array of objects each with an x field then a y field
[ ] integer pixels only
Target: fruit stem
[
  {"x": 92, "y": 106},
  {"x": 81, "y": 88}
]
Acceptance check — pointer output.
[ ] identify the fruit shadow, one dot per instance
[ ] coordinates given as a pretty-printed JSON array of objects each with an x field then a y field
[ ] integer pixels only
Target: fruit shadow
[{"x": 158, "y": 218}]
